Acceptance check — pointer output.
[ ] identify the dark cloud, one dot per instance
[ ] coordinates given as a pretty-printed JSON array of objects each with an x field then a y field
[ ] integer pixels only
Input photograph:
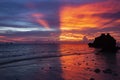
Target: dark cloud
[
  {"x": 17, "y": 12},
  {"x": 12, "y": 9},
  {"x": 94, "y": 31},
  {"x": 111, "y": 16}
]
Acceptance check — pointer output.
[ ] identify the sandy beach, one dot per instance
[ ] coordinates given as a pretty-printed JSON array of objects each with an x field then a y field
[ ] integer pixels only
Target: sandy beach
[{"x": 71, "y": 62}]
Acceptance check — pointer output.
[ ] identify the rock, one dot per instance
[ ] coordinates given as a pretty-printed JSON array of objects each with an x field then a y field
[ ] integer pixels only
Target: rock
[
  {"x": 107, "y": 71},
  {"x": 105, "y": 42},
  {"x": 83, "y": 61},
  {"x": 95, "y": 63},
  {"x": 86, "y": 63},
  {"x": 92, "y": 79},
  {"x": 115, "y": 74},
  {"x": 88, "y": 68},
  {"x": 86, "y": 57},
  {"x": 50, "y": 67},
  {"x": 79, "y": 64},
  {"x": 97, "y": 70},
  {"x": 42, "y": 68},
  {"x": 64, "y": 67}
]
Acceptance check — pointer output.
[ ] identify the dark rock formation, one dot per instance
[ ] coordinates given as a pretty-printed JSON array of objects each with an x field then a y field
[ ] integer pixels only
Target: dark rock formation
[{"x": 104, "y": 42}]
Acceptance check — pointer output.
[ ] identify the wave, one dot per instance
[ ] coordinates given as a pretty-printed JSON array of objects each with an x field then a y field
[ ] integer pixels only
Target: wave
[{"x": 32, "y": 58}]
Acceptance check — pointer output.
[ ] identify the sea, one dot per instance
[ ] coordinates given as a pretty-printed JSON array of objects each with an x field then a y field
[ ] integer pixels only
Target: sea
[{"x": 57, "y": 62}]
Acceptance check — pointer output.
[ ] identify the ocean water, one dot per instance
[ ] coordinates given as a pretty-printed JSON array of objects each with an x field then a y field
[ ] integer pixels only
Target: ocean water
[{"x": 57, "y": 62}]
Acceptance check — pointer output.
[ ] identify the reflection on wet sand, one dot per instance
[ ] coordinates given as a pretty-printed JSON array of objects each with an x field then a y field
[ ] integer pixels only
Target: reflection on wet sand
[
  {"x": 51, "y": 67},
  {"x": 74, "y": 66},
  {"x": 88, "y": 66},
  {"x": 106, "y": 67}
]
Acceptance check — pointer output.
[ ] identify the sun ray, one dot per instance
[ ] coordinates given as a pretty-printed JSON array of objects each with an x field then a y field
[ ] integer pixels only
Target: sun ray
[{"x": 38, "y": 18}]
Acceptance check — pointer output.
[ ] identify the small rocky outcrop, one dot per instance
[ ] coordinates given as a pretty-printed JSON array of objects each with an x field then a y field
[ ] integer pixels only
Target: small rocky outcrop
[{"x": 105, "y": 42}]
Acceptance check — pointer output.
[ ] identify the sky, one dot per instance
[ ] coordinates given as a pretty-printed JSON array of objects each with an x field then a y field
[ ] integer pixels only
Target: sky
[{"x": 58, "y": 20}]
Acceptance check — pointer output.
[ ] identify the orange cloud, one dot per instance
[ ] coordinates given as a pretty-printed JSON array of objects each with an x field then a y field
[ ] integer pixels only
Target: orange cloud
[{"x": 85, "y": 16}]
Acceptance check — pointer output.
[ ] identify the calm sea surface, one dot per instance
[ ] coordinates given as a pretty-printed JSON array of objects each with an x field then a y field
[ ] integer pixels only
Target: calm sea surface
[{"x": 57, "y": 62}]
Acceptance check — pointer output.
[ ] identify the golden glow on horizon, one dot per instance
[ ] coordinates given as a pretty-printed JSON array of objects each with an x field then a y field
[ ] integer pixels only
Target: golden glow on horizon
[{"x": 68, "y": 36}]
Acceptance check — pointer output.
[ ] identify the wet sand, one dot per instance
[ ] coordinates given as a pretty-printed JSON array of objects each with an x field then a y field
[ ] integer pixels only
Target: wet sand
[{"x": 92, "y": 66}]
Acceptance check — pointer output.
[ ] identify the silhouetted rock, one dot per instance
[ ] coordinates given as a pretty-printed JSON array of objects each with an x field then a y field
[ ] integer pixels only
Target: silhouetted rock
[{"x": 105, "y": 42}]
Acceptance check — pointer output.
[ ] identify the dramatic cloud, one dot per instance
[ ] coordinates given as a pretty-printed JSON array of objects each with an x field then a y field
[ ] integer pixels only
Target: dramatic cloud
[
  {"x": 101, "y": 16},
  {"x": 57, "y": 20}
]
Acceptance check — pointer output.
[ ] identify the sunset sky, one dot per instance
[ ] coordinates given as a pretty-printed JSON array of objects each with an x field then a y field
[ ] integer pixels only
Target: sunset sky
[{"x": 58, "y": 20}]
